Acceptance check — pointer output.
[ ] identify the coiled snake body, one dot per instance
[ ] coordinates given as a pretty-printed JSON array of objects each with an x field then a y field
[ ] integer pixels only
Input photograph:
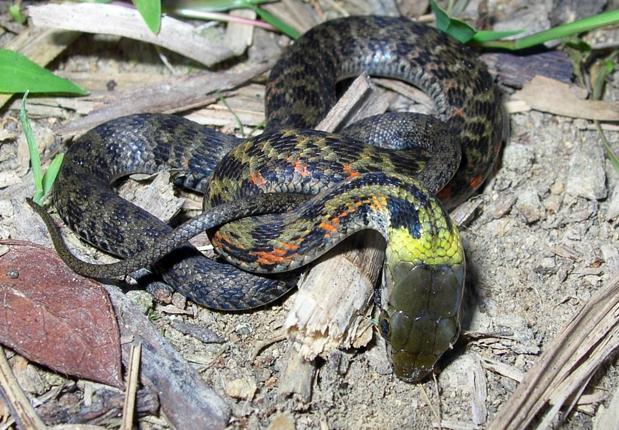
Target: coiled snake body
[{"x": 381, "y": 173}]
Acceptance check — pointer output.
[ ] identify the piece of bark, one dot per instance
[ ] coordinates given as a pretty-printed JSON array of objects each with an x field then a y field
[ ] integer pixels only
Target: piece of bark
[
  {"x": 549, "y": 95},
  {"x": 125, "y": 21},
  {"x": 39, "y": 45},
  {"x": 565, "y": 368},
  {"x": 239, "y": 36},
  {"x": 358, "y": 91},
  {"x": 186, "y": 400},
  {"x": 335, "y": 292},
  {"x": 515, "y": 70},
  {"x": 103, "y": 406},
  {"x": 170, "y": 96}
]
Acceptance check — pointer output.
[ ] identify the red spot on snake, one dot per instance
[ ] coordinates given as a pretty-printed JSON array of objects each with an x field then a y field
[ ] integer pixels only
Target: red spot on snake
[
  {"x": 269, "y": 258},
  {"x": 257, "y": 179},
  {"x": 301, "y": 168},
  {"x": 350, "y": 172},
  {"x": 476, "y": 181},
  {"x": 378, "y": 203},
  {"x": 289, "y": 246}
]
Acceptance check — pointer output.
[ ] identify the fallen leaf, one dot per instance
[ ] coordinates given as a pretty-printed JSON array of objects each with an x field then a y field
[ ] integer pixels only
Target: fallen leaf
[
  {"x": 56, "y": 318},
  {"x": 549, "y": 95}
]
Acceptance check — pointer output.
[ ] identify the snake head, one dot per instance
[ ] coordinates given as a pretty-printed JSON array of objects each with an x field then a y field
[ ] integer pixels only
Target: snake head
[{"x": 420, "y": 317}]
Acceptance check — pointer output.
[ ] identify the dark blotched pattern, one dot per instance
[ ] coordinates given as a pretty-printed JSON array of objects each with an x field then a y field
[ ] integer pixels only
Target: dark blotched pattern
[{"x": 301, "y": 90}]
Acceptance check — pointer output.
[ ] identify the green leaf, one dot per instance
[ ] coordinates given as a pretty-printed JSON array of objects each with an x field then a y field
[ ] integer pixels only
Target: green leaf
[
  {"x": 610, "y": 17},
  {"x": 18, "y": 74},
  {"x": 277, "y": 23},
  {"x": 17, "y": 14},
  {"x": 43, "y": 182},
  {"x": 49, "y": 177},
  {"x": 151, "y": 13},
  {"x": 488, "y": 36},
  {"x": 35, "y": 160},
  {"x": 211, "y": 5},
  {"x": 457, "y": 29}
]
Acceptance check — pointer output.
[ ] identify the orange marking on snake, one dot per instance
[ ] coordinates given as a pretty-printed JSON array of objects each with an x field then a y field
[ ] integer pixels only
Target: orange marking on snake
[
  {"x": 476, "y": 181},
  {"x": 459, "y": 112},
  {"x": 377, "y": 203},
  {"x": 301, "y": 168},
  {"x": 268, "y": 258},
  {"x": 349, "y": 171},
  {"x": 289, "y": 246},
  {"x": 329, "y": 227},
  {"x": 219, "y": 240},
  {"x": 257, "y": 179}
]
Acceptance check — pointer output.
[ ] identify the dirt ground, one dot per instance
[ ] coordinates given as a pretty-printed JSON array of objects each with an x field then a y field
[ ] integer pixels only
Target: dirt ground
[{"x": 542, "y": 240}]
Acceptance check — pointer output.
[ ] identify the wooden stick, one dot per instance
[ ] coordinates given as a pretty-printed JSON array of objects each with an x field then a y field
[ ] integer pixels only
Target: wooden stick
[
  {"x": 170, "y": 96},
  {"x": 124, "y": 21},
  {"x": 335, "y": 292},
  {"x": 132, "y": 386},
  {"x": 25, "y": 413}
]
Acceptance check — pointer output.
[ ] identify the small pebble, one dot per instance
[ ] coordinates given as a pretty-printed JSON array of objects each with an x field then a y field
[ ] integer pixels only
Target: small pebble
[
  {"x": 518, "y": 157},
  {"x": 530, "y": 206},
  {"x": 613, "y": 205},
  {"x": 243, "y": 329},
  {"x": 142, "y": 299},
  {"x": 553, "y": 203},
  {"x": 179, "y": 300},
  {"x": 241, "y": 388},
  {"x": 501, "y": 206},
  {"x": 6, "y": 209},
  {"x": 203, "y": 334},
  {"x": 546, "y": 266},
  {"x": 586, "y": 176},
  {"x": 161, "y": 292},
  {"x": 282, "y": 422}
]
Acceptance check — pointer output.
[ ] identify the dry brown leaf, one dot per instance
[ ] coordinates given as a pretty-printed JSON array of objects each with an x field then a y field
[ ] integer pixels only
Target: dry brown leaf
[
  {"x": 56, "y": 318},
  {"x": 549, "y": 95}
]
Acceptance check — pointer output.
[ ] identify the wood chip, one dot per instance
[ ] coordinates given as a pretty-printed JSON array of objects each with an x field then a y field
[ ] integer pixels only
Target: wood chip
[
  {"x": 479, "y": 392},
  {"x": 173, "y": 95},
  {"x": 356, "y": 93},
  {"x": 124, "y": 21},
  {"x": 406, "y": 90},
  {"x": 239, "y": 36},
  {"x": 329, "y": 310},
  {"x": 548, "y": 95},
  {"x": 503, "y": 369}
]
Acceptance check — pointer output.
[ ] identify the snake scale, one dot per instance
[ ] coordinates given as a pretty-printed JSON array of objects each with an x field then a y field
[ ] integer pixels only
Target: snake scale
[{"x": 307, "y": 190}]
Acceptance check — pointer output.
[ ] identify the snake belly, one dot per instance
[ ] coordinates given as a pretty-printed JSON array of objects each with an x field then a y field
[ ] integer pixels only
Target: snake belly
[{"x": 364, "y": 177}]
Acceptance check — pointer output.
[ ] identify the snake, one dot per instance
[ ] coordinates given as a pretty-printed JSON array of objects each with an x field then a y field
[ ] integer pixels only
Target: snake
[{"x": 276, "y": 202}]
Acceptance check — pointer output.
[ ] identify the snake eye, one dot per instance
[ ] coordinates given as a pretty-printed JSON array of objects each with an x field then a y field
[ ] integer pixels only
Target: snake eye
[{"x": 384, "y": 326}]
